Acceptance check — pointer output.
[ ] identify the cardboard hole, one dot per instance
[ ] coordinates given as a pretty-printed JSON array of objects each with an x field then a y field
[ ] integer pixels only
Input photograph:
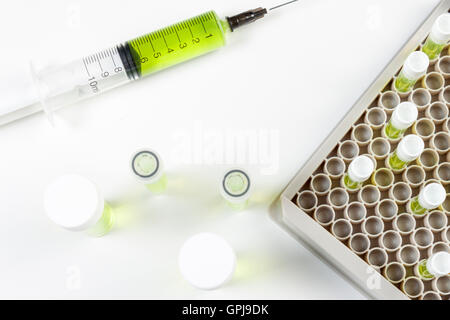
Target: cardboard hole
[
  {"x": 415, "y": 174},
  {"x": 440, "y": 247},
  {"x": 370, "y": 194},
  {"x": 434, "y": 81},
  {"x": 430, "y": 295},
  {"x": 437, "y": 220},
  {"x": 405, "y": 223},
  {"x": 423, "y": 237},
  {"x": 376, "y": 116},
  {"x": 349, "y": 149},
  {"x": 380, "y": 147},
  {"x": 429, "y": 158},
  {"x": 421, "y": 97},
  {"x": 390, "y": 100},
  {"x": 413, "y": 287},
  {"x": 342, "y": 229},
  {"x": 384, "y": 177},
  {"x": 438, "y": 111},
  {"x": 307, "y": 200},
  {"x": 324, "y": 214},
  {"x": 446, "y": 234},
  {"x": 446, "y": 204},
  {"x": 441, "y": 141},
  {"x": 335, "y": 166},
  {"x": 401, "y": 191},
  {"x": 443, "y": 284},
  {"x": 338, "y": 197},
  {"x": 395, "y": 272},
  {"x": 443, "y": 172},
  {"x": 321, "y": 183},
  {"x": 444, "y": 65},
  {"x": 373, "y": 226},
  {"x": 409, "y": 254},
  {"x": 387, "y": 208},
  {"x": 359, "y": 243},
  {"x": 424, "y": 127},
  {"x": 356, "y": 211},
  {"x": 362, "y": 133},
  {"x": 377, "y": 257},
  {"x": 446, "y": 94},
  {"x": 391, "y": 240}
]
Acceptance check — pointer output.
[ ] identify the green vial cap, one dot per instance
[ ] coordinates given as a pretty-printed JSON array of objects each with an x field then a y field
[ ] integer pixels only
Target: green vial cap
[
  {"x": 236, "y": 186},
  {"x": 146, "y": 166}
]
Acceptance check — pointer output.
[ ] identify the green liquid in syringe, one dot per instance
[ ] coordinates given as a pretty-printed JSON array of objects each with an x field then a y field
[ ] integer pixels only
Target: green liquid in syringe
[{"x": 177, "y": 43}]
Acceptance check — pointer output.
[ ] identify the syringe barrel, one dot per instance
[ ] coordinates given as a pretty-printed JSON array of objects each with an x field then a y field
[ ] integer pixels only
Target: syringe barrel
[{"x": 80, "y": 79}]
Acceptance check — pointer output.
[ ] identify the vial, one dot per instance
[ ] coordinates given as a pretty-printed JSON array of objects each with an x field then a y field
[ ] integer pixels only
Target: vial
[
  {"x": 438, "y": 38},
  {"x": 235, "y": 188},
  {"x": 147, "y": 167},
  {"x": 409, "y": 149},
  {"x": 207, "y": 261},
  {"x": 403, "y": 117},
  {"x": 430, "y": 197},
  {"x": 359, "y": 170},
  {"x": 75, "y": 203},
  {"x": 415, "y": 67},
  {"x": 437, "y": 265}
]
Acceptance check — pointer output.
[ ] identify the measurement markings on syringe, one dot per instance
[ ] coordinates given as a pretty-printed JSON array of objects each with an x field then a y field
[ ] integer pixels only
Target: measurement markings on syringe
[
  {"x": 102, "y": 65},
  {"x": 172, "y": 39}
]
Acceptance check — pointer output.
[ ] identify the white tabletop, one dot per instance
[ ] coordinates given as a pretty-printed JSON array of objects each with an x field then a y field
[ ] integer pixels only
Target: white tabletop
[{"x": 271, "y": 96}]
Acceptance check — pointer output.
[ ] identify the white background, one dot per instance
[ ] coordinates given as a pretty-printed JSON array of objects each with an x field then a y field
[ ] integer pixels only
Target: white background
[{"x": 293, "y": 76}]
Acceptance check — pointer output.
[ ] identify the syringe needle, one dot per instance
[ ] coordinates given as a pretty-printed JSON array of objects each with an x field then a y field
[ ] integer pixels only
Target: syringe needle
[{"x": 282, "y": 5}]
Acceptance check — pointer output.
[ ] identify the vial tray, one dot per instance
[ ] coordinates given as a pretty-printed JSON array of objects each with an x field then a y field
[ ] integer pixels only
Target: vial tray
[{"x": 369, "y": 236}]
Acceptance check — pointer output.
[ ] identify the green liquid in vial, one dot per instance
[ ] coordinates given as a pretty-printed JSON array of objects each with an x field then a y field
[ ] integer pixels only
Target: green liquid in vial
[
  {"x": 416, "y": 208},
  {"x": 350, "y": 184},
  {"x": 177, "y": 43},
  {"x": 159, "y": 186},
  {"x": 392, "y": 132},
  {"x": 423, "y": 271},
  {"x": 403, "y": 84},
  {"x": 238, "y": 206},
  {"x": 432, "y": 49},
  {"x": 237, "y": 184},
  {"x": 396, "y": 163},
  {"x": 104, "y": 225}
]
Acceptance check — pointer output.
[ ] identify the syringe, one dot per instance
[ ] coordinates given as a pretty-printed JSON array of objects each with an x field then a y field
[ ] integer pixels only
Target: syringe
[{"x": 53, "y": 87}]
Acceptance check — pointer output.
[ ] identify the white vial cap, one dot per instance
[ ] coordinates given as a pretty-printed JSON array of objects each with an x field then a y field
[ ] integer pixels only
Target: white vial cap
[
  {"x": 432, "y": 196},
  {"x": 146, "y": 165},
  {"x": 440, "y": 33},
  {"x": 439, "y": 264},
  {"x": 73, "y": 202},
  {"x": 416, "y": 65},
  {"x": 207, "y": 261},
  {"x": 361, "y": 169},
  {"x": 404, "y": 115},
  {"x": 410, "y": 148}
]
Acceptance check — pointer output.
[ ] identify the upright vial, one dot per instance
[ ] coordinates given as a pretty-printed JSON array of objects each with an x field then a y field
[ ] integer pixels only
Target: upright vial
[
  {"x": 409, "y": 149},
  {"x": 403, "y": 117},
  {"x": 75, "y": 203},
  {"x": 438, "y": 38},
  {"x": 147, "y": 167},
  {"x": 429, "y": 198},
  {"x": 235, "y": 188},
  {"x": 359, "y": 170},
  {"x": 415, "y": 67},
  {"x": 436, "y": 266}
]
